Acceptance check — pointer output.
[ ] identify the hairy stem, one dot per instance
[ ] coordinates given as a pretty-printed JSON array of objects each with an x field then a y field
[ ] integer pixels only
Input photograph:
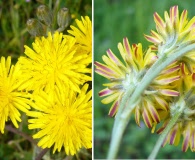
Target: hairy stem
[
  {"x": 122, "y": 104},
  {"x": 116, "y": 138},
  {"x": 180, "y": 106}
]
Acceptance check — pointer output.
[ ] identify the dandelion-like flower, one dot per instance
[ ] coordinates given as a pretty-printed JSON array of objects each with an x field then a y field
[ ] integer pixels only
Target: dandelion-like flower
[
  {"x": 53, "y": 62},
  {"x": 185, "y": 125},
  {"x": 83, "y": 34},
  {"x": 173, "y": 32},
  {"x": 64, "y": 121},
  {"x": 11, "y": 100},
  {"x": 128, "y": 75}
]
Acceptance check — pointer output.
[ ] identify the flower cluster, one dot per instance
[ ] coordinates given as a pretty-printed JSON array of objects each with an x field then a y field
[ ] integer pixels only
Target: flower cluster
[
  {"x": 173, "y": 34},
  {"x": 52, "y": 79},
  {"x": 157, "y": 102},
  {"x": 185, "y": 126}
]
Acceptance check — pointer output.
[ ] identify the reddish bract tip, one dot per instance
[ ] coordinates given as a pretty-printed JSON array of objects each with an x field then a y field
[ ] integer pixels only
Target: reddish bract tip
[
  {"x": 111, "y": 56},
  {"x": 173, "y": 13},
  {"x": 103, "y": 67},
  {"x": 158, "y": 19},
  {"x": 152, "y": 39},
  {"x": 173, "y": 135},
  {"x": 113, "y": 110},
  {"x": 155, "y": 114},
  {"x": 146, "y": 119},
  {"x": 186, "y": 143},
  {"x": 105, "y": 92},
  {"x": 126, "y": 44}
]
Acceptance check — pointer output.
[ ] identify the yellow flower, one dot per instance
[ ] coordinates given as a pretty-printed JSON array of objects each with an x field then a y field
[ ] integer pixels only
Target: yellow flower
[
  {"x": 185, "y": 125},
  {"x": 174, "y": 30},
  {"x": 53, "y": 62},
  {"x": 11, "y": 100},
  {"x": 127, "y": 76},
  {"x": 66, "y": 121},
  {"x": 83, "y": 35},
  {"x": 173, "y": 34}
]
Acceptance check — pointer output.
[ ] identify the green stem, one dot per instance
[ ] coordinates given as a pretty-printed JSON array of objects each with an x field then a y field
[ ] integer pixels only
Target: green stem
[
  {"x": 16, "y": 131},
  {"x": 41, "y": 154},
  {"x": 180, "y": 106},
  {"x": 122, "y": 103},
  {"x": 128, "y": 104},
  {"x": 117, "y": 135}
]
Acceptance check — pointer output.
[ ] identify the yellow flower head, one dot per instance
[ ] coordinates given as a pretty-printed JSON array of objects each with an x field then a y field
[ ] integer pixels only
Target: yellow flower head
[
  {"x": 11, "y": 100},
  {"x": 83, "y": 35},
  {"x": 127, "y": 76},
  {"x": 66, "y": 121},
  {"x": 53, "y": 62},
  {"x": 174, "y": 30},
  {"x": 185, "y": 125}
]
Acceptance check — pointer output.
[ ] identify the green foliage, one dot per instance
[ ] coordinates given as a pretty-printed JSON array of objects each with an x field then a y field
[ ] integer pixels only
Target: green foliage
[
  {"x": 13, "y": 36},
  {"x": 14, "y": 14},
  {"x": 114, "y": 20}
]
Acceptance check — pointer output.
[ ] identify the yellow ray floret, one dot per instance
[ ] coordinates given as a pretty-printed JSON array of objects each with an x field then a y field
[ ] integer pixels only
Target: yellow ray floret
[{"x": 83, "y": 34}]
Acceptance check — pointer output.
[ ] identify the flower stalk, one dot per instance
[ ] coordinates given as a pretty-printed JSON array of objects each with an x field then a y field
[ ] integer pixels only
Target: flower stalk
[
  {"x": 181, "y": 106},
  {"x": 116, "y": 138}
]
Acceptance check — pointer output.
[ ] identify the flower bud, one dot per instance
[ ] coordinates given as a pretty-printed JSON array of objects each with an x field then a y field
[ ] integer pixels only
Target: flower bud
[
  {"x": 44, "y": 14},
  {"x": 35, "y": 28},
  {"x": 63, "y": 17}
]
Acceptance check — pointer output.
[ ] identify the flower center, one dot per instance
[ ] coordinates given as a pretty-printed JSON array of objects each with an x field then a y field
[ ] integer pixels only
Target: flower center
[
  {"x": 51, "y": 69},
  {"x": 68, "y": 116}
]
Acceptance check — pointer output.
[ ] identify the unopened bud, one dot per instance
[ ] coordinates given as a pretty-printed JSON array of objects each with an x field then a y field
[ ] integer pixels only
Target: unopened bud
[
  {"x": 44, "y": 14},
  {"x": 63, "y": 17},
  {"x": 35, "y": 28}
]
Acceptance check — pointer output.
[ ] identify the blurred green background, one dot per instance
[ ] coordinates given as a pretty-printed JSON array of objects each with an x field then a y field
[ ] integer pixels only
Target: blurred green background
[
  {"x": 114, "y": 20},
  {"x": 13, "y": 37}
]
